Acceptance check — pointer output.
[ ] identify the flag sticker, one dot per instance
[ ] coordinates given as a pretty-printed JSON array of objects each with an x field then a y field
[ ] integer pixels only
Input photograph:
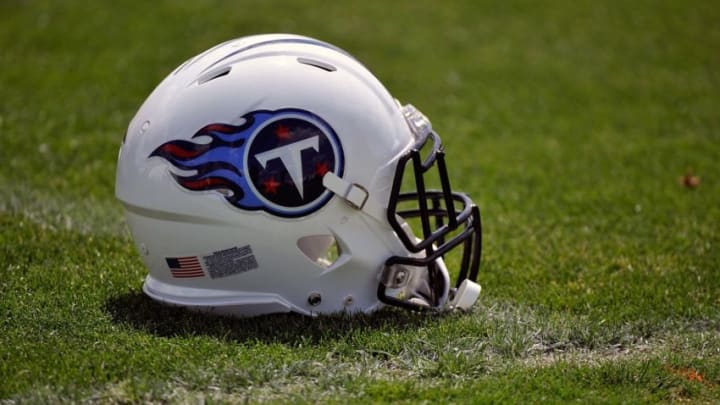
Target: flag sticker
[{"x": 185, "y": 267}]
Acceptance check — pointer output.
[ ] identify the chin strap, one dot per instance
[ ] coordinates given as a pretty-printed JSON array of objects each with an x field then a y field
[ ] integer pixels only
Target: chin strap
[
  {"x": 358, "y": 197},
  {"x": 355, "y": 195}
]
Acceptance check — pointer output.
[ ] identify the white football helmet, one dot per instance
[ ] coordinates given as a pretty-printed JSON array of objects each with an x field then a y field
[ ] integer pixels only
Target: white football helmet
[{"x": 264, "y": 175}]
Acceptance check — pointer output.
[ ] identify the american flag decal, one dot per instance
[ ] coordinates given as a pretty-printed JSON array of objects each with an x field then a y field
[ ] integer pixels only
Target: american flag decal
[{"x": 185, "y": 267}]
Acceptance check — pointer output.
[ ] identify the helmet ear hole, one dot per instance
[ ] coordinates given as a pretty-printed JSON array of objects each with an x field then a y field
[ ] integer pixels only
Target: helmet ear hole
[{"x": 323, "y": 250}]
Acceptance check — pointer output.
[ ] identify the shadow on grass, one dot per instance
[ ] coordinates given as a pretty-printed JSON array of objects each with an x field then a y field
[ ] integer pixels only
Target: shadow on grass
[{"x": 142, "y": 313}]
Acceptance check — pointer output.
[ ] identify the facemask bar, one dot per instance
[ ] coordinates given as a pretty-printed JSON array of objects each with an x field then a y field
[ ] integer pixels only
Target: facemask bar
[{"x": 447, "y": 220}]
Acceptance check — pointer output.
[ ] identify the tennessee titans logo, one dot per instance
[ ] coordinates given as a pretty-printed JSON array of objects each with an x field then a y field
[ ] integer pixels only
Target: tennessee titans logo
[{"x": 275, "y": 161}]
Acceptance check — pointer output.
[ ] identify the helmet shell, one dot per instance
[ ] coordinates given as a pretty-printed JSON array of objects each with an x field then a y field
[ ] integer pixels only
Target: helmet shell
[{"x": 282, "y": 258}]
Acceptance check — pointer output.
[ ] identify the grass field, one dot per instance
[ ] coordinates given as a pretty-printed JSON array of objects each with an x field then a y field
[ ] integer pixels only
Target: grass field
[{"x": 570, "y": 123}]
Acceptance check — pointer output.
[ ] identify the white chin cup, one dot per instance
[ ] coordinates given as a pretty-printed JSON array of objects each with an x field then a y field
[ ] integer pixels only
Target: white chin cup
[{"x": 466, "y": 295}]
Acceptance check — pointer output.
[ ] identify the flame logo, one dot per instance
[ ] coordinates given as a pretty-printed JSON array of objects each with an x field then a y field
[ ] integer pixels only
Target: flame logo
[
  {"x": 214, "y": 160},
  {"x": 217, "y": 164}
]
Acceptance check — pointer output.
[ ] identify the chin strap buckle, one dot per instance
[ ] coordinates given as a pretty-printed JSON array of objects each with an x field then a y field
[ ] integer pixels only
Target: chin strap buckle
[
  {"x": 355, "y": 195},
  {"x": 466, "y": 295}
]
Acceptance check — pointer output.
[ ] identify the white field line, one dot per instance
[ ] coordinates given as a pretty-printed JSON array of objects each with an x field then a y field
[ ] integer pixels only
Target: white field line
[{"x": 65, "y": 213}]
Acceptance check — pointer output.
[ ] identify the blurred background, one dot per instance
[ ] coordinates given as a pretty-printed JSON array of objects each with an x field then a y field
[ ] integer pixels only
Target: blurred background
[{"x": 570, "y": 123}]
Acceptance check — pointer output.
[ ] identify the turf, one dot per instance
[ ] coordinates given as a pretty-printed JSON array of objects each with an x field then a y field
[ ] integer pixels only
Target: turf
[{"x": 571, "y": 125}]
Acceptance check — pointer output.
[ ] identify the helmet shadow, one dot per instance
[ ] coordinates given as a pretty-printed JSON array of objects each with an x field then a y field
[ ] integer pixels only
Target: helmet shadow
[{"x": 138, "y": 311}]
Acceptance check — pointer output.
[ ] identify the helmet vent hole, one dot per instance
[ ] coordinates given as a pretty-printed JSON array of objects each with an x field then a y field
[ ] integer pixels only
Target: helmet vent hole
[
  {"x": 323, "y": 250},
  {"x": 215, "y": 74},
  {"x": 318, "y": 64}
]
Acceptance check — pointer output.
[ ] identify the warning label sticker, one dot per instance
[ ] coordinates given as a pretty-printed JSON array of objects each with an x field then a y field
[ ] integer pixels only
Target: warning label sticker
[{"x": 236, "y": 260}]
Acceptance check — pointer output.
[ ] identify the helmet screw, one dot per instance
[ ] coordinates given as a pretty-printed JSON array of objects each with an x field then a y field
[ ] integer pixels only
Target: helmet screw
[
  {"x": 400, "y": 277},
  {"x": 349, "y": 300},
  {"x": 314, "y": 299}
]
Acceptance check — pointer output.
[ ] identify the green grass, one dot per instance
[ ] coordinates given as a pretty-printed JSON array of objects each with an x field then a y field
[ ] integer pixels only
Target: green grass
[{"x": 569, "y": 123}]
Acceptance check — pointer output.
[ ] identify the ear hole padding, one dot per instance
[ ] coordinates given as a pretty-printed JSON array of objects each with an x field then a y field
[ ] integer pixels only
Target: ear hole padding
[{"x": 323, "y": 250}]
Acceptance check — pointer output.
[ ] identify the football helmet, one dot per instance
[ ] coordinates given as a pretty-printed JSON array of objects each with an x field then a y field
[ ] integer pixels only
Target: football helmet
[{"x": 270, "y": 174}]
